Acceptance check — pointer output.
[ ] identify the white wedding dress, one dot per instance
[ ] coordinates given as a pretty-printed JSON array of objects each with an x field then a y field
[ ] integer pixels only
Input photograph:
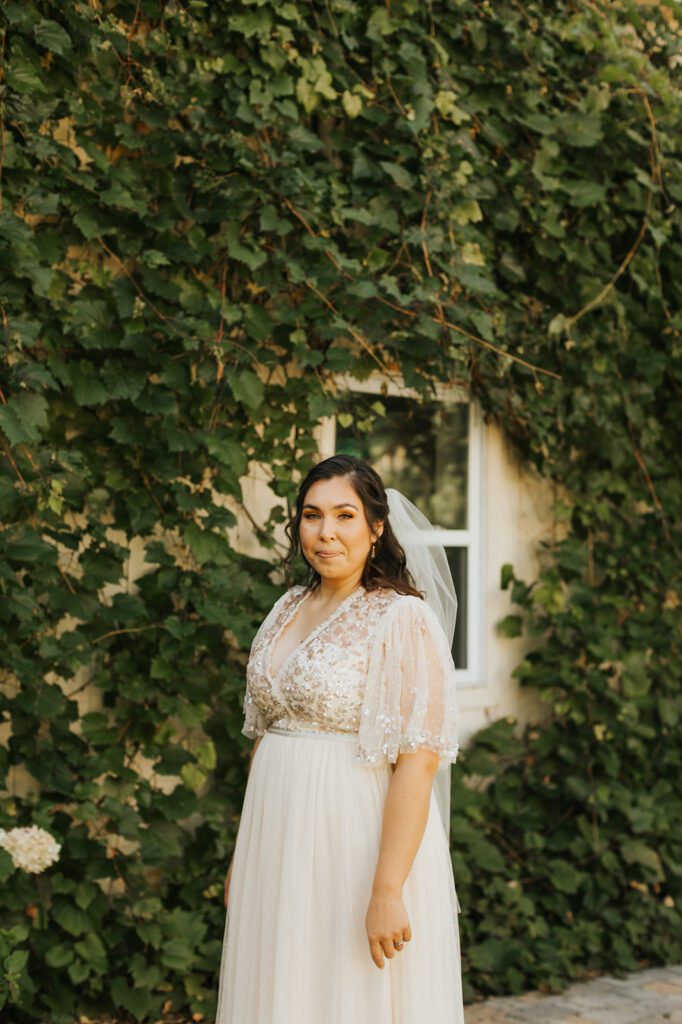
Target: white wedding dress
[{"x": 376, "y": 678}]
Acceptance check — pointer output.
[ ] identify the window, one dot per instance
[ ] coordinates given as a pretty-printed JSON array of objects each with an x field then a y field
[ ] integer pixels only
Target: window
[{"x": 432, "y": 452}]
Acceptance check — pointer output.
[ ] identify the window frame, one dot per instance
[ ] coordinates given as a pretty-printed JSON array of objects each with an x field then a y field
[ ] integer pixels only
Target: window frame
[{"x": 470, "y": 538}]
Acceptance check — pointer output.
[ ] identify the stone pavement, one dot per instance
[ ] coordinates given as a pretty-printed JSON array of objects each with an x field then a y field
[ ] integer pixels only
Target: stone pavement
[{"x": 653, "y": 996}]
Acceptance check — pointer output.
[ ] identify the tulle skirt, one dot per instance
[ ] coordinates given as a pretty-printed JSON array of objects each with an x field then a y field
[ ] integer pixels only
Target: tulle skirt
[{"x": 295, "y": 949}]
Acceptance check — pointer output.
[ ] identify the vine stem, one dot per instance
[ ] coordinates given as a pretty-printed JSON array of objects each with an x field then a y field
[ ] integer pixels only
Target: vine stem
[
  {"x": 440, "y": 319},
  {"x": 657, "y": 177},
  {"x": 133, "y": 629}
]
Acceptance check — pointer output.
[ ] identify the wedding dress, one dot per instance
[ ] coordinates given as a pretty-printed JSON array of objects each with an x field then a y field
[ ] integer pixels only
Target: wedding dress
[{"x": 374, "y": 679}]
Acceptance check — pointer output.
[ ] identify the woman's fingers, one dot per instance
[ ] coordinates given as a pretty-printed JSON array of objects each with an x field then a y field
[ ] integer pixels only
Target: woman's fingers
[
  {"x": 387, "y": 925},
  {"x": 377, "y": 952},
  {"x": 386, "y": 947}
]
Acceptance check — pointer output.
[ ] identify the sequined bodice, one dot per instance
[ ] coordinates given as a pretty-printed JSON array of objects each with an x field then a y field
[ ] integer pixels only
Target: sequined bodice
[{"x": 320, "y": 684}]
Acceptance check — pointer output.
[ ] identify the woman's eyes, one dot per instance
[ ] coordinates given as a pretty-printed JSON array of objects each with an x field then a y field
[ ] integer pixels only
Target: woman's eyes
[{"x": 314, "y": 515}]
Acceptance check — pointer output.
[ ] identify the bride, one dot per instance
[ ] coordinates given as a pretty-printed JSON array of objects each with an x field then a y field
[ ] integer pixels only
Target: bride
[{"x": 341, "y": 902}]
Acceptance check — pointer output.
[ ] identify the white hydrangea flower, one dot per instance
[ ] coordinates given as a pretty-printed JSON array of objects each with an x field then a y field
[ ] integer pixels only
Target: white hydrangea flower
[{"x": 32, "y": 848}]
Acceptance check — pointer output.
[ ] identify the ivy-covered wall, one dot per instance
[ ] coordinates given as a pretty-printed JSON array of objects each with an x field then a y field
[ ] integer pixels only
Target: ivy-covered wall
[{"x": 207, "y": 210}]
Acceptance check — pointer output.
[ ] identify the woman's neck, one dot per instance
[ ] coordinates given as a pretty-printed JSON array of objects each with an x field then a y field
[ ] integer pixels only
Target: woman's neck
[{"x": 332, "y": 591}]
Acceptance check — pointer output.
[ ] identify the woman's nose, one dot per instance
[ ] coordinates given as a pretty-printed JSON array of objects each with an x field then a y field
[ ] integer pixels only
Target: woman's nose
[{"x": 326, "y": 529}]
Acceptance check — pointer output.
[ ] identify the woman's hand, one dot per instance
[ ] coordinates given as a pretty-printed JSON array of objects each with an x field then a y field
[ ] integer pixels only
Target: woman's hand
[
  {"x": 385, "y": 922},
  {"x": 228, "y": 876}
]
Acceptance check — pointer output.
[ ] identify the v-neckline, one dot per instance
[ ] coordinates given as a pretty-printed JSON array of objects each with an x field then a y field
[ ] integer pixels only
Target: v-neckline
[{"x": 296, "y": 605}]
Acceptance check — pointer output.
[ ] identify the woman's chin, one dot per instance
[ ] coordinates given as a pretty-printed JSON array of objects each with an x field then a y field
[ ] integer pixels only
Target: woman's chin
[
  {"x": 331, "y": 568},
  {"x": 328, "y": 567}
]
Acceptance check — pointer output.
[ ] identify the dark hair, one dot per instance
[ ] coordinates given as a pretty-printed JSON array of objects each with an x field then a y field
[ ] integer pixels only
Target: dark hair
[{"x": 388, "y": 567}]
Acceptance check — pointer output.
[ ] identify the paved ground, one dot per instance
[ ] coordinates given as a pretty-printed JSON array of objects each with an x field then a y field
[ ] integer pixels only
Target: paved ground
[{"x": 646, "y": 997}]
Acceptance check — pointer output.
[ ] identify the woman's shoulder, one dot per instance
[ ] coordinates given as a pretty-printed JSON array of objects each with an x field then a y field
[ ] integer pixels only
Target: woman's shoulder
[
  {"x": 390, "y": 595},
  {"x": 390, "y": 600},
  {"x": 407, "y": 612}
]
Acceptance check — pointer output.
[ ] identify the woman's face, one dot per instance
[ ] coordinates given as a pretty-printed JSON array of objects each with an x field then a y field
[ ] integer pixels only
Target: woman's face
[{"x": 334, "y": 533}]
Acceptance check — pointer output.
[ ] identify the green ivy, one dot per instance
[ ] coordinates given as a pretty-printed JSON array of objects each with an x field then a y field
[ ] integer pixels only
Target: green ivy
[{"x": 208, "y": 212}]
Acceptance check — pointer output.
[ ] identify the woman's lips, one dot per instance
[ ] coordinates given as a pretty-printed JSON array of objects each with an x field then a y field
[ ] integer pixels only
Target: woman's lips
[{"x": 322, "y": 554}]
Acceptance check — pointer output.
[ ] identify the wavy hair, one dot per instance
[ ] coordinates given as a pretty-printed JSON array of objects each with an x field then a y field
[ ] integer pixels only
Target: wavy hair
[{"x": 388, "y": 567}]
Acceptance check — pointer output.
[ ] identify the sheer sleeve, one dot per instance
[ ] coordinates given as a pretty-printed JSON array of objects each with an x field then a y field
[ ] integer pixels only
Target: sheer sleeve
[
  {"x": 254, "y": 721},
  {"x": 410, "y": 696}
]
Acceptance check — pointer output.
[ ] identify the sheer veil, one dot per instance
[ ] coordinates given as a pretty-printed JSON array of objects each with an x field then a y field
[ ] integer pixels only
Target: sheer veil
[{"x": 428, "y": 565}]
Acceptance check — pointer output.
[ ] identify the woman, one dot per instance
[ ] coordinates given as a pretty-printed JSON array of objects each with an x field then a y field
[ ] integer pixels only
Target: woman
[{"x": 341, "y": 897}]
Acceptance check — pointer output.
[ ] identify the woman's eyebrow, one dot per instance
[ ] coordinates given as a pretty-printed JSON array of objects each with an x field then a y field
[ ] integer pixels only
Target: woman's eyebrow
[{"x": 344, "y": 504}]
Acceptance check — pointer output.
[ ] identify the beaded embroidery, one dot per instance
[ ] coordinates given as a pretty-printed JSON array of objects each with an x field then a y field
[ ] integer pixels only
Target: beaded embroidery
[{"x": 379, "y": 666}]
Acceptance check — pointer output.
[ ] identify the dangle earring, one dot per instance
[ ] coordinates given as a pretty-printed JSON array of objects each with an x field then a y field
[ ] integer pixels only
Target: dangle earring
[{"x": 372, "y": 552}]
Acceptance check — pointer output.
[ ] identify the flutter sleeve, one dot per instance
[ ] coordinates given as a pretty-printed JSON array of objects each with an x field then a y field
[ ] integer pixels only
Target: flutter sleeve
[
  {"x": 254, "y": 720},
  {"x": 410, "y": 695}
]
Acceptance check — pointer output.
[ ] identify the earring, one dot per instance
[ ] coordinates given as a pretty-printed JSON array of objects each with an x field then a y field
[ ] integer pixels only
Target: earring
[{"x": 372, "y": 554}]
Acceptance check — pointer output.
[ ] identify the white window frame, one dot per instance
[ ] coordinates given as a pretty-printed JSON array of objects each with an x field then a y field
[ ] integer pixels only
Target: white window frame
[{"x": 471, "y": 538}]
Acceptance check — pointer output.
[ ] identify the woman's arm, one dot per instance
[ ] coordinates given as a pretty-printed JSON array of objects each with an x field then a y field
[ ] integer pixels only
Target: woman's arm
[
  {"x": 406, "y": 812},
  {"x": 228, "y": 876}
]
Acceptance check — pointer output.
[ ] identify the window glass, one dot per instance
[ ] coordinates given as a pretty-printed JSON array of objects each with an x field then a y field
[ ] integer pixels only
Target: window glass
[
  {"x": 420, "y": 450},
  {"x": 459, "y": 564}
]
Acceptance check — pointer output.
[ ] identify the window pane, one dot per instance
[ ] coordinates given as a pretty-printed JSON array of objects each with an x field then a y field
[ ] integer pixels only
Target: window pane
[
  {"x": 420, "y": 450},
  {"x": 457, "y": 559}
]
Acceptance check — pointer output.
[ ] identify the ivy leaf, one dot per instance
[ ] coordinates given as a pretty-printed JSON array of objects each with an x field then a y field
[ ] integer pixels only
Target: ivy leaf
[
  {"x": 138, "y": 1001},
  {"x": 635, "y": 676},
  {"x": 564, "y": 876},
  {"x": 13, "y": 229},
  {"x": 193, "y": 776},
  {"x": 6, "y": 865},
  {"x": 72, "y": 919},
  {"x": 247, "y": 388},
  {"x": 582, "y": 129},
  {"x": 53, "y": 37},
  {"x": 402, "y": 178},
  {"x": 87, "y": 224},
  {"x": 91, "y": 950},
  {"x": 24, "y": 76},
  {"x": 207, "y": 546},
  {"x": 585, "y": 193},
  {"x": 636, "y": 852},
  {"x": 510, "y": 626},
  {"x": 487, "y": 856},
  {"x": 60, "y": 955},
  {"x": 253, "y": 258},
  {"x": 466, "y": 212},
  {"x": 50, "y": 700},
  {"x": 177, "y": 954},
  {"x": 205, "y": 754},
  {"x": 380, "y": 24},
  {"x": 352, "y": 104},
  {"x": 493, "y": 955},
  {"x": 228, "y": 451},
  {"x": 87, "y": 387},
  {"x": 15, "y": 963},
  {"x": 506, "y": 575}
]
